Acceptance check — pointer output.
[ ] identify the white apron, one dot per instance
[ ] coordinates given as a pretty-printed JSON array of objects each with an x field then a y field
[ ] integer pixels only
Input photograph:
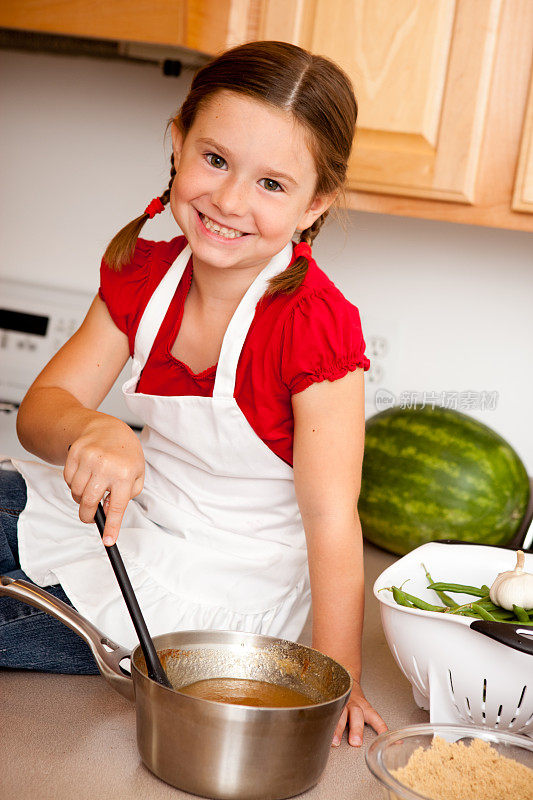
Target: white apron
[{"x": 215, "y": 540}]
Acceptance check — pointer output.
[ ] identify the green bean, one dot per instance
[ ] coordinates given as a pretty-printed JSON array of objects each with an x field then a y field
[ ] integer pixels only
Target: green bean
[
  {"x": 464, "y": 607},
  {"x": 488, "y": 605},
  {"x": 405, "y": 599},
  {"x": 418, "y": 603},
  {"x": 443, "y": 596},
  {"x": 498, "y": 615},
  {"x": 485, "y": 589},
  {"x": 484, "y": 614},
  {"x": 447, "y": 600},
  {"x": 467, "y": 612},
  {"x": 520, "y": 613},
  {"x": 457, "y": 587},
  {"x": 400, "y": 597},
  {"x": 502, "y": 616},
  {"x": 482, "y": 609}
]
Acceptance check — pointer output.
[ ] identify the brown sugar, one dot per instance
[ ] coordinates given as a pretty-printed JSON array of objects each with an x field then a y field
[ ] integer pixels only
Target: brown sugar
[{"x": 465, "y": 772}]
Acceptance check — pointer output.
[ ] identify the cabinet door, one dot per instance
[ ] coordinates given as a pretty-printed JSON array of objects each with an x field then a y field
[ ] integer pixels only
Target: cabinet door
[
  {"x": 421, "y": 72},
  {"x": 205, "y": 25},
  {"x": 133, "y": 20},
  {"x": 523, "y": 193}
]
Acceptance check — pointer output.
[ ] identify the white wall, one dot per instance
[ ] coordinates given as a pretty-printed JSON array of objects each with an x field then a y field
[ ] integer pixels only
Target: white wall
[{"x": 82, "y": 152}]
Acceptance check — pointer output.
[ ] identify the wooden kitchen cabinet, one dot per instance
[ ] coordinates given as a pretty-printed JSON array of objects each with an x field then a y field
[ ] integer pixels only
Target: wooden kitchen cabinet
[
  {"x": 442, "y": 86},
  {"x": 422, "y": 75},
  {"x": 523, "y": 194},
  {"x": 205, "y": 25},
  {"x": 132, "y": 20}
]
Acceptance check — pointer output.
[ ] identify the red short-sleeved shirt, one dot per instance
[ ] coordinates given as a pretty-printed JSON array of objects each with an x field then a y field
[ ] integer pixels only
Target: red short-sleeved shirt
[{"x": 294, "y": 340}]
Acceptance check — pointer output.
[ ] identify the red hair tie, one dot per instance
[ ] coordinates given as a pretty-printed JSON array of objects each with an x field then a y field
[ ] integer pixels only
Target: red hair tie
[
  {"x": 154, "y": 207},
  {"x": 303, "y": 249}
]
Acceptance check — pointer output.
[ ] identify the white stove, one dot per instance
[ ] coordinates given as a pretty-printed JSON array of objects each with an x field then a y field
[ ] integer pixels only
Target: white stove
[{"x": 35, "y": 321}]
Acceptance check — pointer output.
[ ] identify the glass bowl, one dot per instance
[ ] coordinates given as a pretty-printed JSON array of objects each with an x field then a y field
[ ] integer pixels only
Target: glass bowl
[{"x": 392, "y": 750}]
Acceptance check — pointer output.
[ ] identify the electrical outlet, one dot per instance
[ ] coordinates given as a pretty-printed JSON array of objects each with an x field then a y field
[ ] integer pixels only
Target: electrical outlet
[
  {"x": 377, "y": 349},
  {"x": 377, "y": 346},
  {"x": 375, "y": 373},
  {"x": 381, "y": 337}
]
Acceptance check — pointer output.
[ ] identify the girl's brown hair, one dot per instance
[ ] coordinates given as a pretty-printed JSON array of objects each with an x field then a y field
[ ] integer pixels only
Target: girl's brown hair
[{"x": 313, "y": 88}]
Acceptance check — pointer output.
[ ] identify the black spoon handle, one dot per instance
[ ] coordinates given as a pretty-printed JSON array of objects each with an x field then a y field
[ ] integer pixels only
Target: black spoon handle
[{"x": 153, "y": 664}]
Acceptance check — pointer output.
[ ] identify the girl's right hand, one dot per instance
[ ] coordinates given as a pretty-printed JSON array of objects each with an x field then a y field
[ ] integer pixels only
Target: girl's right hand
[{"x": 106, "y": 457}]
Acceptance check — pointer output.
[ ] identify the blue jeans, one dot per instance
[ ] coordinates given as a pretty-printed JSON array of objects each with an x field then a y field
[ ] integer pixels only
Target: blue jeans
[{"x": 29, "y": 638}]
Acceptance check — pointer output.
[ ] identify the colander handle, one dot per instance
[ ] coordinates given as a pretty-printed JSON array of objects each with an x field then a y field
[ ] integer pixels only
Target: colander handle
[{"x": 505, "y": 633}]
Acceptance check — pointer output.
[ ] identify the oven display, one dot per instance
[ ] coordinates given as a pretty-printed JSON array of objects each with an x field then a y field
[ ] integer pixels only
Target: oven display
[{"x": 23, "y": 323}]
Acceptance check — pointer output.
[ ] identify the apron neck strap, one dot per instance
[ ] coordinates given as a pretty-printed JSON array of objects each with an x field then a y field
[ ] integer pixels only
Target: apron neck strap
[
  {"x": 157, "y": 307},
  {"x": 240, "y": 322}
]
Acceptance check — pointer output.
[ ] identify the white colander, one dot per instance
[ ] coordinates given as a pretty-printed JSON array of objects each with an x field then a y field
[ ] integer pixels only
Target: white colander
[{"x": 462, "y": 670}]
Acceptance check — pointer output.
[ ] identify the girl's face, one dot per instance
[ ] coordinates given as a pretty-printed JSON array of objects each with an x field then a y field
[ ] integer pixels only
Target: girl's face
[{"x": 245, "y": 181}]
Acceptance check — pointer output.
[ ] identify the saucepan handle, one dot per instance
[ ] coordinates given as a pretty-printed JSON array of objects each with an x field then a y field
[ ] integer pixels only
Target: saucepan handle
[
  {"x": 107, "y": 660},
  {"x": 505, "y": 633}
]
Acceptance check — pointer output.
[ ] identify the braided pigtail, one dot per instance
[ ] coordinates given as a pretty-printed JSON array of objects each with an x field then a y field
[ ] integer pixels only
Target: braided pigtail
[
  {"x": 121, "y": 248},
  {"x": 292, "y": 278}
]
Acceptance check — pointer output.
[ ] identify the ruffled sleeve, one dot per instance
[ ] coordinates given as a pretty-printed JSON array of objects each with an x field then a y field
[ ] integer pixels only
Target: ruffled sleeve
[
  {"x": 125, "y": 292},
  {"x": 322, "y": 340}
]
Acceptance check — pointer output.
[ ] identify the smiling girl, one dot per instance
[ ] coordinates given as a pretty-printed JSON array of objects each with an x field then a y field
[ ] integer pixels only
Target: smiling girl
[{"x": 247, "y": 372}]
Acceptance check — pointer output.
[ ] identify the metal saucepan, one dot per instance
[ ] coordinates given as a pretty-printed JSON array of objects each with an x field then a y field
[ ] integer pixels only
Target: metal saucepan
[{"x": 213, "y": 749}]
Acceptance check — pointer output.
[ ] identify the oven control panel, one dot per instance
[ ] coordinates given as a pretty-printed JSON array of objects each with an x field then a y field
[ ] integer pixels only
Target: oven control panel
[{"x": 35, "y": 322}]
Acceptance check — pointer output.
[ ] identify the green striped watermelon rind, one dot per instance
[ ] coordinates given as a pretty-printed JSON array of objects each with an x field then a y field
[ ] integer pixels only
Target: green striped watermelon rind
[{"x": 454, "y": 479}]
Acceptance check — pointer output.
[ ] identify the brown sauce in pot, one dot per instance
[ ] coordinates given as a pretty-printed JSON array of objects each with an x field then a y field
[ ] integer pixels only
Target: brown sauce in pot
[{"x": 243, "y": 692}]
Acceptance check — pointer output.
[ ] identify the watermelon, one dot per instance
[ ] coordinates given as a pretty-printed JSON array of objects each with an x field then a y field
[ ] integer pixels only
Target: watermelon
[{"x": 434, "y": 473}]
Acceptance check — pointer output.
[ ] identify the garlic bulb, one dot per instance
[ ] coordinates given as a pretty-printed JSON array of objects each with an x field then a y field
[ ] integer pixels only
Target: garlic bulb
[{"x": 514, "y": 586}]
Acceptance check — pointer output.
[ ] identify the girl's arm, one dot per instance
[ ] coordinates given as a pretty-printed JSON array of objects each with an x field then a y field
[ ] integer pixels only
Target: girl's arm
[
  {"x": 58, "y": 421},
  {"x": 328, "y": 452}
]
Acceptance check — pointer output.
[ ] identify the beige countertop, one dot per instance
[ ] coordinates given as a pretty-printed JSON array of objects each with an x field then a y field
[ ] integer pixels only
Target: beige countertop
[{"x": 64, "y": 737}]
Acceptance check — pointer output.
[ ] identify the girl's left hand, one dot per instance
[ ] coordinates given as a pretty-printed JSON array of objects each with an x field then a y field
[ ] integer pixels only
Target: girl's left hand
[{"x": 356, "y": 712}]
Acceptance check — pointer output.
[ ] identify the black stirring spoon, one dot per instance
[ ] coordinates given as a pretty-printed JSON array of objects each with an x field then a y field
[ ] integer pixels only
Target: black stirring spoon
[{"x": 153, "y": 664}]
